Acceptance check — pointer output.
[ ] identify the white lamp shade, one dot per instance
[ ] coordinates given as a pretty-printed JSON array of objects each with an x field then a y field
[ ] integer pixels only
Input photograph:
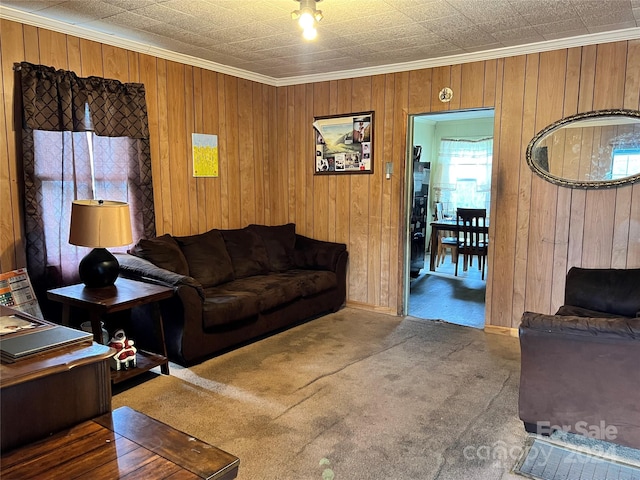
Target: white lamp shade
[{"x": 100, "y": 224}]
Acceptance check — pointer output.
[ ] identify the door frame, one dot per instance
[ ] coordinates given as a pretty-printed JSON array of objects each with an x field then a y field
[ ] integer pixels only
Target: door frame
[{"x": 407, "y": 202}]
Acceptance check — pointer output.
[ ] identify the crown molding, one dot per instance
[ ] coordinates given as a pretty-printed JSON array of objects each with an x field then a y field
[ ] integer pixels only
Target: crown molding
[
  {"x": 548, "y": 45},
  {"x": 87, "y": 34},
  {"x": 78, "y": 31}
]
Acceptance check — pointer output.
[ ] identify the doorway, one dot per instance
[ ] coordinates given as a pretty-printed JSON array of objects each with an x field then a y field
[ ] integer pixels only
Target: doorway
[{"x": 449, "y": 164}]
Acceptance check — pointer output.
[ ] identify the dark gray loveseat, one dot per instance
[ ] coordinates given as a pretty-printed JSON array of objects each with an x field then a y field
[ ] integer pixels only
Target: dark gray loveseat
[
  {"x": 233, "y": 286},
  {"x": 579, "y": 368}
]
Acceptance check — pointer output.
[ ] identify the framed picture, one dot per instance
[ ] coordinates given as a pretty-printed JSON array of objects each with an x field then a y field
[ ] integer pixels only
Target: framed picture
[
  {"x": 205, "y": 155},
  {"x": 344, "y": 144}
]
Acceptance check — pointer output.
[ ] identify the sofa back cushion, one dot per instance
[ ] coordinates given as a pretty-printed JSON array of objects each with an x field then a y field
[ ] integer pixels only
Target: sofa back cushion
[
  {"x": 280, "y": 242},
  {"x": 207, "y": 257},
  {"x": 609, "y": 290},
  {"x": 247, "y": 251},
  {"x": 163, "y": 252}
]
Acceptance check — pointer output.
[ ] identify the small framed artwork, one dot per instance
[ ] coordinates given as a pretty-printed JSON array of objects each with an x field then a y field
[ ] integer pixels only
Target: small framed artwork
[
  {"x": 205, "y": 155},
  {"x": 344, "y": 144}
]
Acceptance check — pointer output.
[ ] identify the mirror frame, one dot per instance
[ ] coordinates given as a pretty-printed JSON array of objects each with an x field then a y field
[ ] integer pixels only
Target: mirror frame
[{"x": 586, "y": 184}]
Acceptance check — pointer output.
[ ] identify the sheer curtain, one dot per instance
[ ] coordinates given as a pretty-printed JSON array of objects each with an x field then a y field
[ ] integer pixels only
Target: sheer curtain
[
  {"x": 462, "y": 175},
  {"x": 82, "y": 138}
]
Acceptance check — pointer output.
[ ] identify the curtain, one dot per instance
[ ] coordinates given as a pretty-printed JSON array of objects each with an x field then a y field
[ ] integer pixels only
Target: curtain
[
  {"x": 462, "y": 175},
  {"x": 69, "y": 121}
]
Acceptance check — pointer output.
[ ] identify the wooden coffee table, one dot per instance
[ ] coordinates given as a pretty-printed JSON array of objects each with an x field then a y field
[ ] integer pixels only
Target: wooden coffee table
[
  {"x": 124, "y": 295},
  {"x": 121, "y": 444}
]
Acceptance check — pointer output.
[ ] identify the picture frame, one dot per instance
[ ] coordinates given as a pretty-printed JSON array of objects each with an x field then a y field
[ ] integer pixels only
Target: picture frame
[
  {"x": 205, "y": 155},
  {"x": 344, "y": 144}
]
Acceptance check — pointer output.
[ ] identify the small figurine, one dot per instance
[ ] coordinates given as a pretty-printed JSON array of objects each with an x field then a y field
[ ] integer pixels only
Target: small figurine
[{"x": 125, "y": 357}]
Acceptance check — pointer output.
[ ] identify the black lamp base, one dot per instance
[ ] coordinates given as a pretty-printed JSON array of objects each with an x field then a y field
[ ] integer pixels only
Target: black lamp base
[{"x": 99, "y": 268}]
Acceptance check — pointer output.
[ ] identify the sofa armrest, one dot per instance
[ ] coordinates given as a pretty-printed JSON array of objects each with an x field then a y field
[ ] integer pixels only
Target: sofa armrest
[
  {"x": 143, "y": 270},
  {"x": 318, "y": 254},
  {"x": 598, "y": 328},
  {"x": 580, "y": 371}
]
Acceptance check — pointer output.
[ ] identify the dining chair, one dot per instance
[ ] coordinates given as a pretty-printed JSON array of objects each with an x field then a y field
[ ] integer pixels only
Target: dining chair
[
  {"x": 472, "y": 225},
  {"x": 446, "y": 240}
]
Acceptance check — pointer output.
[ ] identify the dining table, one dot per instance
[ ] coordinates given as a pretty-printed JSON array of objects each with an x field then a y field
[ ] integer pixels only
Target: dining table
[{"x": 447, "y": 225}]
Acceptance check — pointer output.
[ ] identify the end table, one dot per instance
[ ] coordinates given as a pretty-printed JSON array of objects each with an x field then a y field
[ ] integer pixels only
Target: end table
[
  {"x": 123, "y": 295},
  {"x": 53, "y": 390}
]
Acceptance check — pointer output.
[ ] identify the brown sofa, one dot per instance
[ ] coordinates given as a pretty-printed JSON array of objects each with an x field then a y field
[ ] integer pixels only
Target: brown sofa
[
  {"x": 234, "y": 286},
  {"x": 580, "y": 368}
]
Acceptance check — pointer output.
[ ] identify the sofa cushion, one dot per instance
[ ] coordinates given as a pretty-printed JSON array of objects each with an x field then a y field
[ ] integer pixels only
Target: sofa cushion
[
  {"x": 279, "y": 241},
  {"x": 309, "y": 282},
  {"x": 273, "y": 290},
  {"x": 223, "y": 307},
  {"x": 247, "y": 251},
  {"x": 264, "y": 292},
  {"x": 163, "y": 252},
  {"x": 207, "y": 257},
  {"x": 604, "y": 289}
]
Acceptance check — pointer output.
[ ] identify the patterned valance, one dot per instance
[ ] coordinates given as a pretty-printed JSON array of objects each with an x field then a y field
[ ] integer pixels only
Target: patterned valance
[{"x": 59, "y": 100}]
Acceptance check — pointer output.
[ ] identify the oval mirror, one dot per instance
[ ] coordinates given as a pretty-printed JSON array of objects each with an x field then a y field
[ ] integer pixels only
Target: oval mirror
[{"x": 598, "y": 149}]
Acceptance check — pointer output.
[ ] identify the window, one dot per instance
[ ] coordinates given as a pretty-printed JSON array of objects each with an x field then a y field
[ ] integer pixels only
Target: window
[
  {"x": 625, "y": 163},
  {"x": 98, "y": 170},
  {"x": 462, "y": 175},
  {"x": 82, "y": 138}
]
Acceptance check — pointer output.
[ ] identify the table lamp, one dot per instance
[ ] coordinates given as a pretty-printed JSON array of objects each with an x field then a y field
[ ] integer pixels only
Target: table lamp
[{"x": 99, "y": 224}]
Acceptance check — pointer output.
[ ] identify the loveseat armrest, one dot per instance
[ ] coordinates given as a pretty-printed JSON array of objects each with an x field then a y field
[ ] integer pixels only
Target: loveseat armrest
[
  {"x": 315, "y": 254},
  {"x": 579, "y": 372},
  {"x": 143, "y": 270},
  {"x": 597, "y": 328}
]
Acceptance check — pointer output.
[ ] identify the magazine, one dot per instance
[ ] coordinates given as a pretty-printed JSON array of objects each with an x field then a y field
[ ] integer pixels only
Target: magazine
[{"x": 16, "y": 292}]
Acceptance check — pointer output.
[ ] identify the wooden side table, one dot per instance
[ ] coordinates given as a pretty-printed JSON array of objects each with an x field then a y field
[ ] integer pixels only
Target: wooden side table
[
  {"x": 121, "y": 444},
  {"x": 124, "y": 295},
  {"x": 51, "y": 391}
]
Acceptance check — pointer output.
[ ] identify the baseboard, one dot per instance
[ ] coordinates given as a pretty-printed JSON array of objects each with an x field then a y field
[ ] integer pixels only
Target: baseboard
[
  {"x": 370, "y": 308},
  {"x": 512, "y": 332}
]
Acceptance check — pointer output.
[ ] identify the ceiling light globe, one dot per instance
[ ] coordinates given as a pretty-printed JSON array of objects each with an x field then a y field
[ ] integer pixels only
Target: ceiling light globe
[
  {"x": 306, "y": 20},
  {"x": 309, "y": 33}
]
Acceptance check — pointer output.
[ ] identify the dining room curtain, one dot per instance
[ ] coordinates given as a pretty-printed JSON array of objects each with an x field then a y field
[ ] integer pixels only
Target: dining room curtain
[
  {"x": 461, "y": 177},
  {"x": 82, "y": 138}
]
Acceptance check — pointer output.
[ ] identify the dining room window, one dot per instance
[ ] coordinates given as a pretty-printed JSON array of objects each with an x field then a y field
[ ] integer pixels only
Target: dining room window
[
  {"x": 626, "y": 162},
  {"x": 462, "y": 174}
]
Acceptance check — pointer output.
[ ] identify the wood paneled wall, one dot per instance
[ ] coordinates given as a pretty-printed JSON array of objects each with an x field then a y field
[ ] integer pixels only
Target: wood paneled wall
[
  {"x": 181, "y": 100},
  {"x": 538, "y": 230}
]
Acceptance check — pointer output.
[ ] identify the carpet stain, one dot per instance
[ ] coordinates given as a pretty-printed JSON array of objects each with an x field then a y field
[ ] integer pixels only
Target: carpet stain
[{"x": 372, "y": 395}]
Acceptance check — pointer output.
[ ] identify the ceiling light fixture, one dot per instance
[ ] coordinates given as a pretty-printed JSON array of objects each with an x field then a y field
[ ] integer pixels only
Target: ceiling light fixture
[{"x": 308, "y": 17}]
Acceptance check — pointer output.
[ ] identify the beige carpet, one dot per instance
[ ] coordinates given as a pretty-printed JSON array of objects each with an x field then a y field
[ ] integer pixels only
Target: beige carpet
[{"x": 356, "y": 395}]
